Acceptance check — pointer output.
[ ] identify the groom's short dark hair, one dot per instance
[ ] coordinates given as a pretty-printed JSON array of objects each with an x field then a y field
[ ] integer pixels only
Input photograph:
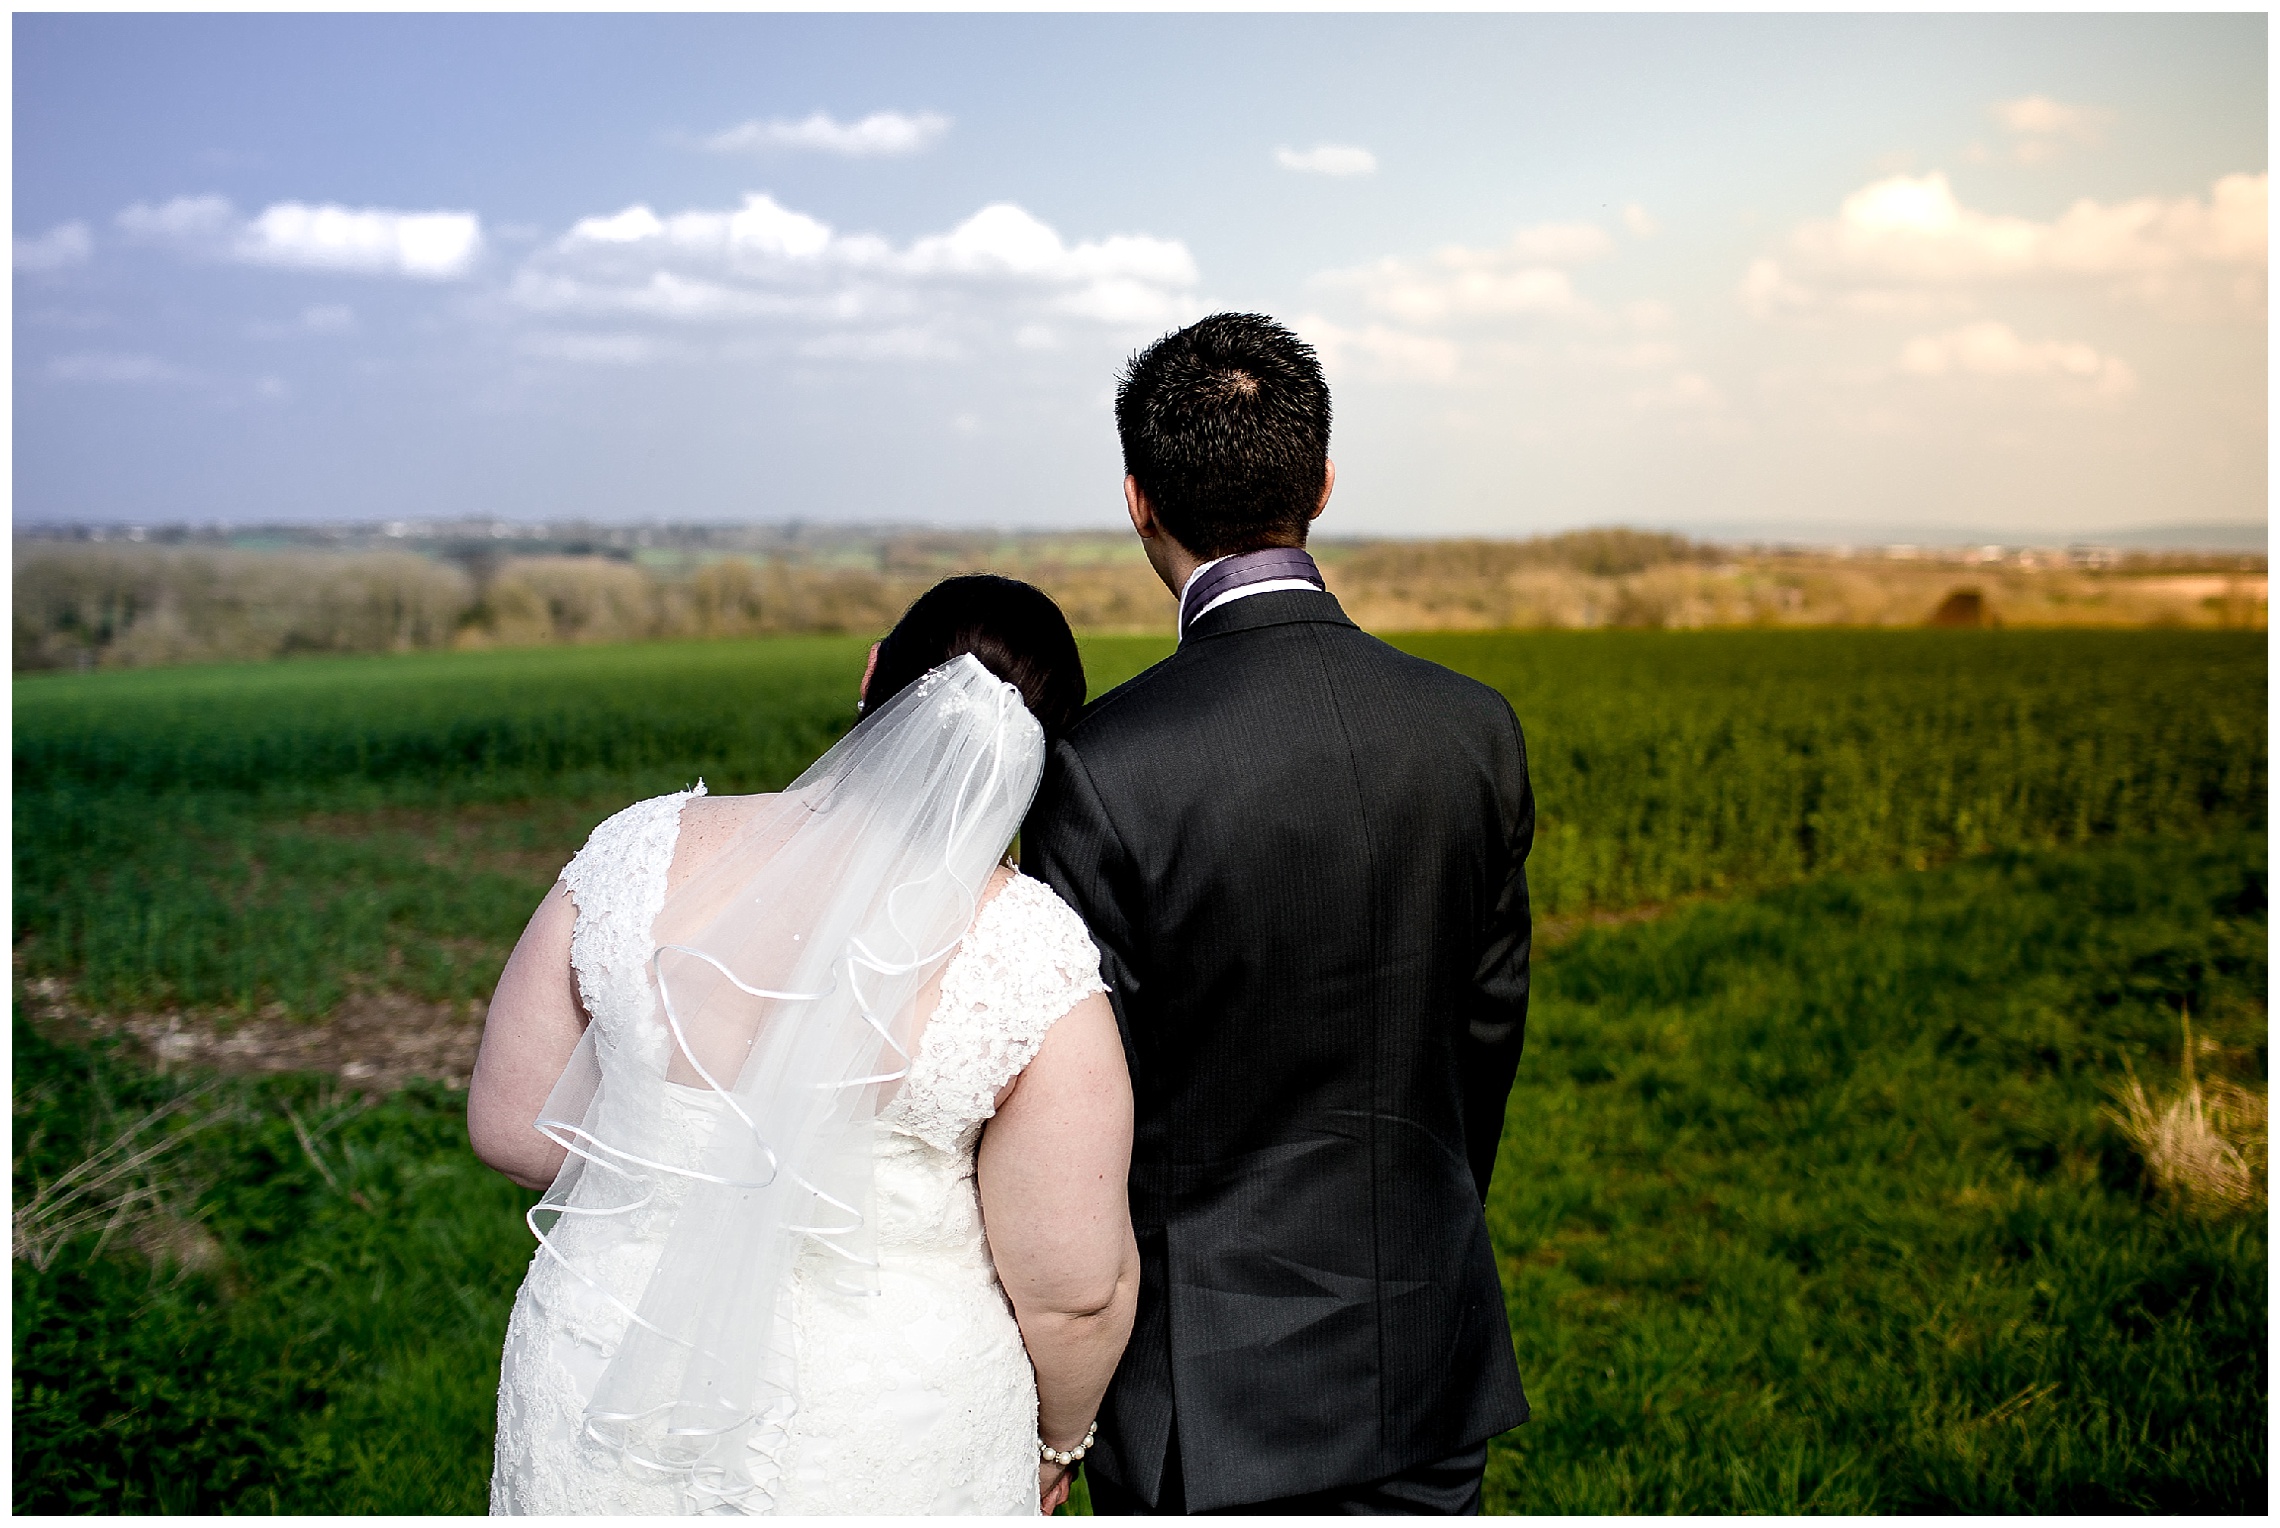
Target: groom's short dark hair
[{"x": 1226, "y": 427}]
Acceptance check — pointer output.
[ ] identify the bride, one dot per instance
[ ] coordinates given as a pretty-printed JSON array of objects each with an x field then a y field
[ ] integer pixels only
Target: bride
[{"x": 778, "y": 1061}]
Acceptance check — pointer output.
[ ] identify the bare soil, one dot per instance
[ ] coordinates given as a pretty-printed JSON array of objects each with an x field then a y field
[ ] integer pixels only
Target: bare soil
[
  {"x": 378, "y": 1040},
  {"x": 1555, "y": 929},
  {"x": 375, "y": 1041}
]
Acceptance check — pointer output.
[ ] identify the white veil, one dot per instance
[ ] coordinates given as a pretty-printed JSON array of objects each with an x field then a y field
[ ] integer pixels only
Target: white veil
[{"x": 785, "y": 976}]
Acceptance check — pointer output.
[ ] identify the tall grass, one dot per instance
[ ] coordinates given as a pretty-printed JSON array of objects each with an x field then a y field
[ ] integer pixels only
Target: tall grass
[
  {"x": 1673, "y": 763},
  {"x": 2203, "y": 1147},
  {"x": 453, "y": 726},
  {"x": 173, "y": 841}
]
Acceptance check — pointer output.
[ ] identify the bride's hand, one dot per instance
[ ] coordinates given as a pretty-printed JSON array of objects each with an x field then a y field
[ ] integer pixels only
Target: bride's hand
[{"x": 1052, "y": 1485}]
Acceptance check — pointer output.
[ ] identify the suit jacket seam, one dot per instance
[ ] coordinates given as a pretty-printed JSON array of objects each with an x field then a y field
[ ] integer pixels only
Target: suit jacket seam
[
  {"x": 1084, "y": 773},
  {"x": 1377, "y": 1039},
  {"x": 1117, "y": 696}
]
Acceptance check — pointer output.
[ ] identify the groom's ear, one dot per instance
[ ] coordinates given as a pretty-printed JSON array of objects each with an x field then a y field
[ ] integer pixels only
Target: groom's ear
[
  {"x": 1143, "y": 513},
  {"x": 1329, "y": 480}
]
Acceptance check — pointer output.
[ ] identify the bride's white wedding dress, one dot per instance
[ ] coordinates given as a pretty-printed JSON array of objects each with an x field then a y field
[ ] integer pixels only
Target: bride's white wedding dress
[{"x": 919, "y": 1399}]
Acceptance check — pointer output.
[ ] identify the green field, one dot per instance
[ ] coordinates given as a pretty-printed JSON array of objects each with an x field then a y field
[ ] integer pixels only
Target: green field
[{"x": 1809, "y": 1199}]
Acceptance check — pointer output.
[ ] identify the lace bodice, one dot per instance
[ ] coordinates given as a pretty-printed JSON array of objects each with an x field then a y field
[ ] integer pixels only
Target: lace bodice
[
  {"x": 1026, "y": 961},
  {"x": 618, "y": 881},
  {"x": 919, "y": 1400}
]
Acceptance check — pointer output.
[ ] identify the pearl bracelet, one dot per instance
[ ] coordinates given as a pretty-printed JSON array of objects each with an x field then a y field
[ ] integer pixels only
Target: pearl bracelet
[{"x": 1052, "y": 1455}]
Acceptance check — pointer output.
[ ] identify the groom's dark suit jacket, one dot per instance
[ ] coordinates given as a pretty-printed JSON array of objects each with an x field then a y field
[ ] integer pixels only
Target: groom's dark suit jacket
[{"x": 1301, "y": 853}]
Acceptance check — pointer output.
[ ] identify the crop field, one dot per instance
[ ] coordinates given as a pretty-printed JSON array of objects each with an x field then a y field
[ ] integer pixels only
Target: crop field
[{"x": 1813, "y": 1196}]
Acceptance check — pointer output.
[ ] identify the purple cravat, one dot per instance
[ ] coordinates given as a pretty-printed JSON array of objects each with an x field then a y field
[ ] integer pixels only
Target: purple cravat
[{"x": 1239, "y": 572}]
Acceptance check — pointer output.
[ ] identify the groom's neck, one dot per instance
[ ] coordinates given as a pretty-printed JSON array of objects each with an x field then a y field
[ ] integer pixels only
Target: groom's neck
[{"x": 1174, "y": 564}]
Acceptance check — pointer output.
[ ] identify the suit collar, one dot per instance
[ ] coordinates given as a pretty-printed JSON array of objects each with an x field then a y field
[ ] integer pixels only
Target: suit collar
[{"x": 1283, "y": 607}]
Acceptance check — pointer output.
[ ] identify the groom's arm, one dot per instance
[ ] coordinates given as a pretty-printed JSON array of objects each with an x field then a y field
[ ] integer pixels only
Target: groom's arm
[
  {"x": 1069, "y": 843},
  {"x": 1491, "y": 1044}
]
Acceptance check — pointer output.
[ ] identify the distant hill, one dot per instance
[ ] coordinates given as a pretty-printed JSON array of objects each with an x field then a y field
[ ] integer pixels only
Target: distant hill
[
  {"x": 2207, "y": 536},
  {"x": 173, "y": 595},
  {"x": 2190, "y": 538}
]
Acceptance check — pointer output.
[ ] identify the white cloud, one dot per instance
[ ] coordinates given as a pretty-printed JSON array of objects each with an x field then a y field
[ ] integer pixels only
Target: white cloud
[
  {"x": 1519, "y": 279},
  {"x": 1640, "y": 221},
  {"x": 2042, "y": 128},
  {"x": 434, "y": 246},
  {"x": 1380, "y": 351},
  {"x": 66, "y": 244},
  {"x": 1553, "y": 243},
  {"x": 1000, "y": 272},
  {"x": 879, "y": 134},
  {"x": 1995, "y": 351},
  {"x": 1900, "y": 238},
  {"x": 373, "y": 241},
  {"x": 184, "y": 220},
  {"x": 1328, "y": 159},
  {"x": 666, "y": 295},
  {"x": 1462, "y": 315},
  {"x": 760, "y": 228},
  {"x": 127, "y": 370},
  {"x": 1001, "y": 238}
]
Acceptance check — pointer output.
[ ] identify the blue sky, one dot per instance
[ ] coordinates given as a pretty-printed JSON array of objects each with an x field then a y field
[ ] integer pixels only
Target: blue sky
[{"x": 1885, "y": 277}]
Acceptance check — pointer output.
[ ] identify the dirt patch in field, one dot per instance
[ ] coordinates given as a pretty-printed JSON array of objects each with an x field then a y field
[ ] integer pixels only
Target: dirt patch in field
[
  {"x": 375, "y": 1041},
  {"x": 1556, "y": 929}
]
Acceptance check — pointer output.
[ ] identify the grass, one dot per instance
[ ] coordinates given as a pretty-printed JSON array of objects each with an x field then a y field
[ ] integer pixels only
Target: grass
[
  {"x": 1818, "y": 1191},
  {"x": 1670, "y": 764},
  {"x": 1812, "y": 1202},
  {"x": 337, "y": 1351},
  {"x": 240, "y": 836},
  {"x": 1809, "y": 1202}
]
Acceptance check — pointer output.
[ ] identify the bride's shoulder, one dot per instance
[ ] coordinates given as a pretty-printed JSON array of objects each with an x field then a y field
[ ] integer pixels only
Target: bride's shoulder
[
  {"x": 1013, "y": 901},
  {"x": 635, "y": 841},
  {"x": 709, "y": 824},
  {"x": 721, "y": 814},
  {"x": 644, "y": 816}
]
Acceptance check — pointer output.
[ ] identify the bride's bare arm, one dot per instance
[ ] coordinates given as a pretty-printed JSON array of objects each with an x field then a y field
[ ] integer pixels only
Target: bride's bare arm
[
  {"x": 1051, "y": 1169},
  {"x": 533, "y": 1026}
]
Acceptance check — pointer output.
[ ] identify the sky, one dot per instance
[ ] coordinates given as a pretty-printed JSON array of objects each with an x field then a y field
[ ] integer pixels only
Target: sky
[{"x": 1933, "y": 278}]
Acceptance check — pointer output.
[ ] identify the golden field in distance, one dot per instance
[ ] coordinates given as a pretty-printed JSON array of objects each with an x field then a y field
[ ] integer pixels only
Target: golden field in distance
[
  {"x": 166, "y": 598},
  {"x": 1595, "y": 578}
]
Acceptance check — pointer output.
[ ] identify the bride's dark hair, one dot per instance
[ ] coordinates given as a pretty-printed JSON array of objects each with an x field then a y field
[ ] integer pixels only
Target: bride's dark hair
[{"x": 1014, "y": 628}]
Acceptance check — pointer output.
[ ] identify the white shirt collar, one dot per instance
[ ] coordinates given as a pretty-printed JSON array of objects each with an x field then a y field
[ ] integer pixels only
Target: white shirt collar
[{"x": 1190, "y": 584}]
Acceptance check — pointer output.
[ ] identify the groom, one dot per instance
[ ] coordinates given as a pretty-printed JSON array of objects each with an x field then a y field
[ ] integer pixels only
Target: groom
[{"x": 1302, "y": 854}]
